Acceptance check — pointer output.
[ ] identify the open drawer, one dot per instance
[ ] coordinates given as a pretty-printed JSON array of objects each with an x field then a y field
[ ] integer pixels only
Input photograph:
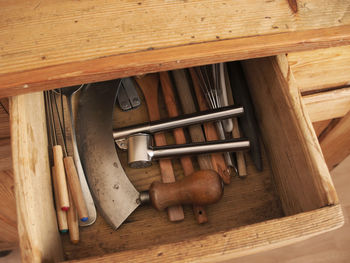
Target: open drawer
[{"x": 292, "y": 199}]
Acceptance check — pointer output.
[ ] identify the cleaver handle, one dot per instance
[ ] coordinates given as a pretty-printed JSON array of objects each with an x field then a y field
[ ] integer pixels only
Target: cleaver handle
[{"x": 202, "y": 187}]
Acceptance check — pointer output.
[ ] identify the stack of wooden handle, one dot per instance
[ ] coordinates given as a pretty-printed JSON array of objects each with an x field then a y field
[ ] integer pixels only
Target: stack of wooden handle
[
  {"x": 69, "y": 200},
  {"x": 149, "y": 85}
]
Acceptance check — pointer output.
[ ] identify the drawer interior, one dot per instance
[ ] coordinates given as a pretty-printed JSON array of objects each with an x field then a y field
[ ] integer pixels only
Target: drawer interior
[
  {"x": 294, "y": 180},
  {"x": 245, "y": 201}
]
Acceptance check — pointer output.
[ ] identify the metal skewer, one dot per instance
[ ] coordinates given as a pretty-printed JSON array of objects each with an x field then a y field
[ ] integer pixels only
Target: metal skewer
[{"x": 210, "y": 83}]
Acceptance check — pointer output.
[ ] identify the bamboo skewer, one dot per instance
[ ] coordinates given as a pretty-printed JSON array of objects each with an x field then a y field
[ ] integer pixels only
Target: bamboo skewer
[{"x": 179, "y": 135}]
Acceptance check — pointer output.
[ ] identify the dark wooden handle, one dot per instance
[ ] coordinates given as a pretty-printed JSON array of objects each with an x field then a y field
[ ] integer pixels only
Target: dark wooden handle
[{"x": 203, "y": 187}]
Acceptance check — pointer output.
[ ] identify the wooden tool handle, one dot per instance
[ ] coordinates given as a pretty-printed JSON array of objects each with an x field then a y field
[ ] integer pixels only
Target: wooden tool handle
[
  {"x": 241, "y": 165},
  {"x": 188, "y": 106},
  {"x": 75, "y": 188},
  {"x": 180, "y": 138},
  {"x": 217, "y": 159},
  {"x": 60, "y": 177},
  {"x": 149, "y": 85},
  {"x": 73, "y": 224},
  {"x": 203, "y": 187},
  {"x": 61, "y": 215}
]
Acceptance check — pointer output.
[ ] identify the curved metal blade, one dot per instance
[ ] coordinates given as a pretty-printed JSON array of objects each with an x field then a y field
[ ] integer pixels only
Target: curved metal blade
[{"x": 115, "y": 196}]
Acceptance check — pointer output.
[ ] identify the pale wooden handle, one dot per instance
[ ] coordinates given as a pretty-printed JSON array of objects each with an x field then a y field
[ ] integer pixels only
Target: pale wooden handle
[
  {"x": 73, "y": 224},
  {"x": 180, "y": 138},
  {"x": 75, "y": 188},
  {"x": 203, "y": 187},
  {"x": 60, "y": 177},
  {"x": 61, "y": 215}
]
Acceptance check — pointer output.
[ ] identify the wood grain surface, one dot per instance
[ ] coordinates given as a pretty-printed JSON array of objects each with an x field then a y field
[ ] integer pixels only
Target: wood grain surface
[
  {"x": 321, "y": 69},
  {"x": 328, "y": 105},
  {"x": 8, "y": 220},
  {"x": 67, "y": 43},
  {"x": 320, "y": 126},
  {"x": 226, "y": 245},
  {"x": 332, "y": 247},
  {"x": 300, "y": 173},
  {"x": 336, "y": 143},
  {"x": 33, "y": 189}
]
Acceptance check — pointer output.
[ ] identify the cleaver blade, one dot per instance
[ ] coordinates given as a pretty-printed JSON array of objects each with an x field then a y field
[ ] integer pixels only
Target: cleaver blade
[{"x": 115, "y": 196}]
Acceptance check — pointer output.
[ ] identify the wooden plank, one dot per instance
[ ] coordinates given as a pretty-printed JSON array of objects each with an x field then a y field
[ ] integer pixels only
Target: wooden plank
[
  {"x": 336, "y": 144},
  {"x": 37, "y": 226},
  {"x": 320, "y": 126},
  {"x": 238, "y": 242},
  {"x": 328, "y": 104},
  {"x": 71, "y": 43},
  {"x": 321, "y": 68},
  {"x": 301, "y": 175},
  {"x": 8, "y": 222}
]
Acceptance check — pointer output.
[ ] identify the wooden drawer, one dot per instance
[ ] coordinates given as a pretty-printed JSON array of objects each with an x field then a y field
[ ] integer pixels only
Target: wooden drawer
[
  {"x": 323, "y": 77},
  {"x": 292, "y": 199}
]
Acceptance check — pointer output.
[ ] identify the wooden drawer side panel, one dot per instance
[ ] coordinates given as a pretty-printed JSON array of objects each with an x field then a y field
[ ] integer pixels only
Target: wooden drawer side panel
[
  {"x": 300, "y": 173},
  {"x": 236, "y": 242},
  {"x": 36, "y": 217}
]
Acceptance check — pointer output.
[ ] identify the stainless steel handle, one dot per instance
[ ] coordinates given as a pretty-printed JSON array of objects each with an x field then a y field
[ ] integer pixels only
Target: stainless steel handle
[
  {"x": 200, "y": 148},
  {"x": 182, "y": 121},
  {"x": 141, "y": 153}
]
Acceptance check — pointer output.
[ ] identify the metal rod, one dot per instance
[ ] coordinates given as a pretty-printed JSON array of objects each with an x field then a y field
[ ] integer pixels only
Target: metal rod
[
  {"x": 52, "y": 119},
  {"x": 48, "y": 118},
  {"x": 61, "y": 125},
  {"x": 63, "y": 119},
  {"x": 199, "y": 148},
  {"x": 185, "y": 120}
]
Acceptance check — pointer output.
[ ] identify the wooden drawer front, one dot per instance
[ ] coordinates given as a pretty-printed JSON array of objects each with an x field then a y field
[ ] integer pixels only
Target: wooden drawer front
[
  {"x": 292, "y": 199},
  {"x": 71, "y": 43},
  {"x": 323, "y": 77}
]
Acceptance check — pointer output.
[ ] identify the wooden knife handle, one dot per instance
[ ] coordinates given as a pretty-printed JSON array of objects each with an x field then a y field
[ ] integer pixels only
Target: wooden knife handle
[
  {"x": 60, "y": 177},
  {"x": 73, "y": 221},
  {"x": 75, "y": 188},
  {"x": 61, "y": 215},
  {"x": 203, "y": 187}
]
